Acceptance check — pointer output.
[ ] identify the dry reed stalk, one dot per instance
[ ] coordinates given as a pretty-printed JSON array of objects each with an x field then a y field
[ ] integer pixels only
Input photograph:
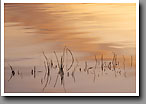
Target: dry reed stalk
[
  {"x": 85, "y": 69},
  {"x": 102, "y": 65},
  {"x": 80, "y": 69},
  {"x": 47, "y": 67},
  {"x": 60, "y": 66},
  {"x": 95, "y": 69},
  {"x": 61, "y": 72},
  {"x": 95, "y": 62},
  {"x": 12, "y": 72},
  {"x": 88, "y": 69},
  {"x": 72, "y": 59},
  {"x": 124, "y": 66},
  {"x": 73, "y": 76},
  {"x": 109, "y": 66},
  {"x": 34, "y": 72},
  {"x": 73, "y": 72},
  {"x": 114, "y": 63}
]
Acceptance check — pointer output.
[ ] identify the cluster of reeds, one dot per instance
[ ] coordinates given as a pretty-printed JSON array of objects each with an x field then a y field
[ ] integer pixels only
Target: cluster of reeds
[{"x": 63, "y": 67}]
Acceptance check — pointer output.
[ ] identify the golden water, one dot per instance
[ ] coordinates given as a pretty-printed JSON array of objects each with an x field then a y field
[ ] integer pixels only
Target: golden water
[{"x": 86, "y": 29}]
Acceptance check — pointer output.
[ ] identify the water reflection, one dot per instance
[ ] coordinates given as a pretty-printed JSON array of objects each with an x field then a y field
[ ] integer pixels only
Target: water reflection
[
  {"x": 54, "y": 70},
  {"x": 99, "y": 40},
  {"x": 79, "y": 25}
]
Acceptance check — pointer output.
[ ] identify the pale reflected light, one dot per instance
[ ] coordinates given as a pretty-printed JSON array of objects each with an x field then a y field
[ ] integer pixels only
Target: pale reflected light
[{"x": 88, "y": 30}]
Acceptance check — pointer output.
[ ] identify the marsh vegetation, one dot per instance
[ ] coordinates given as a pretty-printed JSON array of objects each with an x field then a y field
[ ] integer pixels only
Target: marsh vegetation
[{"x": 65, "y": 65}]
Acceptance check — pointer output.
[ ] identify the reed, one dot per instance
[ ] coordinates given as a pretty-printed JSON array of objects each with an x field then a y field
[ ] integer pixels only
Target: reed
[
  {"x": 114, "y": 62},
  {"x": 12, "y": 72},
  {"x": 73, "y": 72},
  {"x": 124, "y": 66},
  {"x": 47, "y": 74},
  {"x": 94, "y": 71},
  {"x": 85, "y": 69},
  {"x": 64, "y": 68},
  {"x": 102, "y": 65}
]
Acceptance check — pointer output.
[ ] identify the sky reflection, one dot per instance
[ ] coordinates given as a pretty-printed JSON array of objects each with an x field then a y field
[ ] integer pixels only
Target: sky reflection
[{"x": 85, "y": 28}]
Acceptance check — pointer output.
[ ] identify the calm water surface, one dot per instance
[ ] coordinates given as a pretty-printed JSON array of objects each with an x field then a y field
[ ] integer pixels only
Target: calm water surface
[{"x": 91, "y": 35}]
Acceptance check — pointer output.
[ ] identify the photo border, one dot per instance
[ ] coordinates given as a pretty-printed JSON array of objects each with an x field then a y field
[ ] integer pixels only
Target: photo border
[{"x": 70, "y": 94}]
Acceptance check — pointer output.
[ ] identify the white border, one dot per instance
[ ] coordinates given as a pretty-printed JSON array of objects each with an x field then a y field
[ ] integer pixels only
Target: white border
[
  {"x": 70, "y": 1},
  {"x": 70, "y": 94}
]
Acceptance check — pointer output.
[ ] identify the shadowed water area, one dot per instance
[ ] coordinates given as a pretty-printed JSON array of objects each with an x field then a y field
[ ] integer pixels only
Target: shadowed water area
[{"x": 57, "y": 47}]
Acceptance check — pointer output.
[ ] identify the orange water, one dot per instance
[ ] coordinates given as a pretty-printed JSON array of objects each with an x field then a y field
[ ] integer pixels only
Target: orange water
[{"x": 88, "y": 30}]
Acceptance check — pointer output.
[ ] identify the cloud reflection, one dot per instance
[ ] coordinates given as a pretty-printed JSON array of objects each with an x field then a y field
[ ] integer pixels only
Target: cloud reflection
[{"x": 82, "y": 27}]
